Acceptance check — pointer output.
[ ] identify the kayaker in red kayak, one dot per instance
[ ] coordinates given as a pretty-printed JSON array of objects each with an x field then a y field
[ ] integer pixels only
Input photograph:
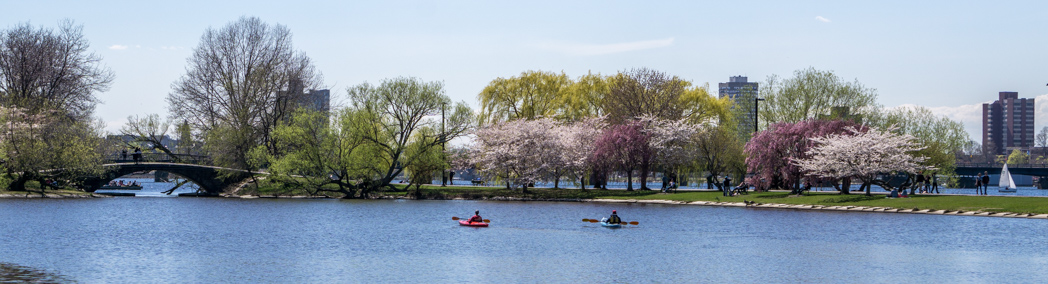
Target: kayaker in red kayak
[
  {"x": 476, "y": 217},
  {"x": 614, "y": 219}
]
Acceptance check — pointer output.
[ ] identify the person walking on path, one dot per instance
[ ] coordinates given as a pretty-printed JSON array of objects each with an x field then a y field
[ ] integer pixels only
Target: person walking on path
[
  {"x": 709, "y": 181},
  {"x": 978, "y": 184},
  {"x": 935, "y": 183},
  {"x": 727, "y": 185}
]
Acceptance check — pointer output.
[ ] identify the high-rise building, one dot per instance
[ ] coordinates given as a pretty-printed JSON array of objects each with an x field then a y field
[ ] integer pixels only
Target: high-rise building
[
  {"x": 1008, "y": 124},
  {"x": 318, "y": 100},
  {"x": 743, "y": 95}
]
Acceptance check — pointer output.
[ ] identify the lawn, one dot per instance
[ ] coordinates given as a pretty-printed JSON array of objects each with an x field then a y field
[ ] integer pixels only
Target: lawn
[{"x": 1036, "y": 205}]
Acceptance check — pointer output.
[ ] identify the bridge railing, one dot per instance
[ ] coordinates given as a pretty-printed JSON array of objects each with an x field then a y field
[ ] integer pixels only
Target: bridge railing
[
  {"x": 158, "y": 157},
  {"x": 999, "y": 165}
]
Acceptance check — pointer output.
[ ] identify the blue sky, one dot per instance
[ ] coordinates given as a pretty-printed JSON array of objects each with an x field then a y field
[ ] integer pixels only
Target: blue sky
[{"x": 950, "y": 56}]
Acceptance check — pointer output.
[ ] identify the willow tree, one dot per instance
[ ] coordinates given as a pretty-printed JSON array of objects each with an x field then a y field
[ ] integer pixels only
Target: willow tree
[
  {"x": 393, "y": 112},
  {"x": 531, "y": 95},
  {"x": 241, "y": 81},
  {"x": 584, "y": 98},
  {"x": 813, "y": 94}
]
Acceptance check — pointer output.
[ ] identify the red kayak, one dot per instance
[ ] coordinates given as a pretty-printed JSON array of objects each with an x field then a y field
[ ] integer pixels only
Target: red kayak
[{"x": 472, "y": 224}]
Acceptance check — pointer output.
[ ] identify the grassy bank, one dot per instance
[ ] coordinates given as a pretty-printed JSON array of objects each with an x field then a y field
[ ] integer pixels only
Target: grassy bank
[
  {"x": 1035, "y": 205},
  {"x": 485, "y": 192}
]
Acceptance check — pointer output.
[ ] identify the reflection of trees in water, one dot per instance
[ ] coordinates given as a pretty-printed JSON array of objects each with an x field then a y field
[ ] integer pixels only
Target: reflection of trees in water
[{"x": 12, "y": 273}]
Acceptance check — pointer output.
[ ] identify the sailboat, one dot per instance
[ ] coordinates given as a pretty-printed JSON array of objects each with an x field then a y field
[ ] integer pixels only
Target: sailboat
[{"x": 1007, "y": 184}]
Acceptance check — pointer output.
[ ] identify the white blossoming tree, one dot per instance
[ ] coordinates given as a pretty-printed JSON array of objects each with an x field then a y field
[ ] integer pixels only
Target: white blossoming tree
[
  {"x": 576, "y": 144},
  {"x": 518, "y": 152},
  {"x": 863, "y": 155}
]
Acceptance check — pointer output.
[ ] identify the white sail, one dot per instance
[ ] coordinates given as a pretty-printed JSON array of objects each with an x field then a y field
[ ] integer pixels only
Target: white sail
[{"x": 1006, "y": 178}]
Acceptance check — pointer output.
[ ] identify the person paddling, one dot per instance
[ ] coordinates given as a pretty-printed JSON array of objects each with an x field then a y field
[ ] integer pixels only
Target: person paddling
[
  {"x": 476, "y": 217},
  {"x": 614, "y": 219}
]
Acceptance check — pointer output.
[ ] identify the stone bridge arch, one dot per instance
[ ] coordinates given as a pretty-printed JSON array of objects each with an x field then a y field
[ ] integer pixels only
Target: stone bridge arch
[{"x": 209, "y": 178}]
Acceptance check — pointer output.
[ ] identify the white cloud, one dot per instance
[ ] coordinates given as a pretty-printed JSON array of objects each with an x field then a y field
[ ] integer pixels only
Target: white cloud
[
  {"x": 118, "y": 47},
  {"x": 821, "y": 19},
  {"x": 971, "y": 115},
  {"x": 602, "y": 49}
]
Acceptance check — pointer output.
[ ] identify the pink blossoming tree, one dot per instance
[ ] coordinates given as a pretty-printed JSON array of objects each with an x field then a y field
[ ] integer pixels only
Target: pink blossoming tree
[{"x": 771, "y": 152}]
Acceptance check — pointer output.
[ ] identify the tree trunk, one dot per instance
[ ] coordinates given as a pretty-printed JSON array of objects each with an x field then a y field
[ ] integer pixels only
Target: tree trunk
[
  {"x": 866, "y": 184},
  {"x": 846, "y": 185},
  {"x": 18, "y": 184},
  {"x": 582, "y": 182},
  {"x": 629, "y": 180},
  {"x": 644, "y": 177}
]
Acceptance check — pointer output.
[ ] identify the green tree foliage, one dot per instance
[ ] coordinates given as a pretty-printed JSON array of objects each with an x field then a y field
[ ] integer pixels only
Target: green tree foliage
[
  {"x": 48, "y": 81},
  {"x": 812, "y": 94},
  {"x": 429, "y": 161},
  {"x": 392, "y": 113},
  {"x": 584, "y": 97},
  {"x": 720, "y": 152},
  {"x": 317, "y": 154},
  {"x": 531, "y": 95},
  {"x": 941, "y": 139},
  {"x": 1018, "y": 158},
  {"x": 48, "y": 146}
]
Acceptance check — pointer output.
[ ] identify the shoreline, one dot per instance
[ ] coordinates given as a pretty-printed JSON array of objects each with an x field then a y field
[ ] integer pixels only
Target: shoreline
[
  {"x": 847, "y": 208},
  {"x": 844, "y": 208}
]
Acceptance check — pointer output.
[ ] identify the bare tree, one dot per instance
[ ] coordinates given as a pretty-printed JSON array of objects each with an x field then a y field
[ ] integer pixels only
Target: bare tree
[
  {"x": 643, "y": 91},
  {"x": 245, "y": 77},
  {"x": 42, "y": 69}
]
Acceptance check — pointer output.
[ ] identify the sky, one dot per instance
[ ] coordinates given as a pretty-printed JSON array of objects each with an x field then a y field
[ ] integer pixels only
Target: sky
[{"x": 949, "y": 56}]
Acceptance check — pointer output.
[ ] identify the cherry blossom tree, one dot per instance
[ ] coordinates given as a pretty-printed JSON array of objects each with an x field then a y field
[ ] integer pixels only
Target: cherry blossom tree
[
  {"x": 519, "y": 152},
  {"x": 771, "y": 152},
  {"x": 625, "y": 148},
  {"x": 863, "y": 155},
  {"x": 577, "y": 143}
]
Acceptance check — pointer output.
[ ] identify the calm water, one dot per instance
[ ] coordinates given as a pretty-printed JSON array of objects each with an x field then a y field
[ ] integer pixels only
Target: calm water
[{"x": 203, "y": 240}]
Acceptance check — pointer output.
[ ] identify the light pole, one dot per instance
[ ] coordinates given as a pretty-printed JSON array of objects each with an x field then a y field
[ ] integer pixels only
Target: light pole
[
  {"x": 756, "y": 112},
  {"x": 443, "y": 139}
]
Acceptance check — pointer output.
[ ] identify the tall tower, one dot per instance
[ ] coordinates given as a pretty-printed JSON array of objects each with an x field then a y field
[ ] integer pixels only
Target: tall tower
[
  {"x": 1008, "y": 124},
  {"x": 743, "y": 95}
]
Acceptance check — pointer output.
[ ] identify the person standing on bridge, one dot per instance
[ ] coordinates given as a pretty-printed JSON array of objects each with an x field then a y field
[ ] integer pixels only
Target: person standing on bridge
[{"x": 137, "y": 155}]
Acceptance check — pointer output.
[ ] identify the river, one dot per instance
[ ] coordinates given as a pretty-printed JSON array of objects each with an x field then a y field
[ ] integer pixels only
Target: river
[{"x": 203, "y": 240}]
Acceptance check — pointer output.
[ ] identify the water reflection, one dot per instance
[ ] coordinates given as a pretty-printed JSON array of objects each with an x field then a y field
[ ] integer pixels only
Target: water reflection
[{"x": 13, "y": 273}]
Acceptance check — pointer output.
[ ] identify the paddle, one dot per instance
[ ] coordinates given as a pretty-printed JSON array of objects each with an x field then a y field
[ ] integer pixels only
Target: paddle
[{"x": 457, "y": 218}]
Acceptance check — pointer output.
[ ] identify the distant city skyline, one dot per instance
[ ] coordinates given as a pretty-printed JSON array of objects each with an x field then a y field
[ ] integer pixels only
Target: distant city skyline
[{"x": 949, "y": 56}]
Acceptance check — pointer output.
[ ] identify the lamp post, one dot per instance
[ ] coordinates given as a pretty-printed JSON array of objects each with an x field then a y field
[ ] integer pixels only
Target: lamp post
[
  {"x": 756, "y": 112},
  {"x": 443, "y": 139}
]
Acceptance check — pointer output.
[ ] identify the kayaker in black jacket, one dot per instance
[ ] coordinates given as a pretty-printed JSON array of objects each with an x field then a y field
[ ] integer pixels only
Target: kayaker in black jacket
[
  {"x": 614, "y": 219},
  {"x": 476, "y": 217}
]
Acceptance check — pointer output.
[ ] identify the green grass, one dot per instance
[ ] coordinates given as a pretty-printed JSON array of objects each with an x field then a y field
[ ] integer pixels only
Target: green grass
[{"x": 1035, "y": 205}]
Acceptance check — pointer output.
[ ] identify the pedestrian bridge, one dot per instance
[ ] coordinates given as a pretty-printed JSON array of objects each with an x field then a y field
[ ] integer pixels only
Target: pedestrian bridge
[
  {"x": 973, "y": 169},
  {"x": 211, "y": 179}
]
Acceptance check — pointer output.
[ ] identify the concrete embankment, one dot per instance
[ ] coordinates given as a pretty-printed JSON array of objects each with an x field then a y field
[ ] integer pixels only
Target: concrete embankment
[{"x": 829, "y": 208}]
